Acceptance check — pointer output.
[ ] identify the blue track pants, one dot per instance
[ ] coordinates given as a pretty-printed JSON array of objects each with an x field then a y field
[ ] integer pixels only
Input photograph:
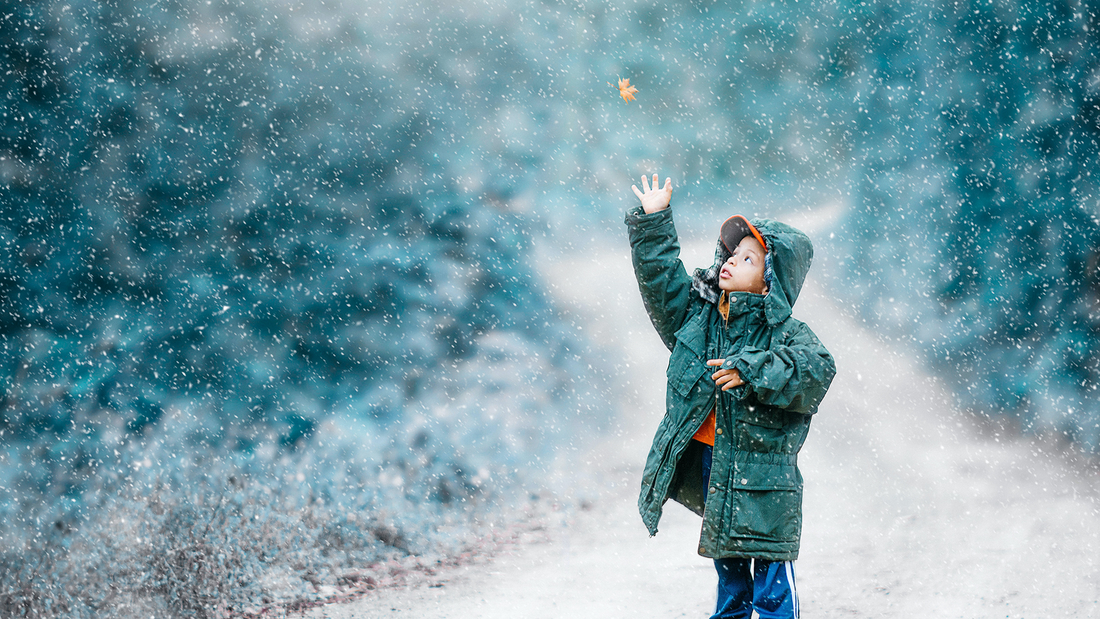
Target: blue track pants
[{"x": 747, "y": 584}]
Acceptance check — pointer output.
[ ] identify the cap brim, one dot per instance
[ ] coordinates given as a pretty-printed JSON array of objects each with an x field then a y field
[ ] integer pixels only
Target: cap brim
[{"x": 736, "y": 228}]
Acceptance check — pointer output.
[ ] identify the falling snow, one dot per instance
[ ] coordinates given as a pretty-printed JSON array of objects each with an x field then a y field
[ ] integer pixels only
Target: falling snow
[{"x": 270, "y": 305}]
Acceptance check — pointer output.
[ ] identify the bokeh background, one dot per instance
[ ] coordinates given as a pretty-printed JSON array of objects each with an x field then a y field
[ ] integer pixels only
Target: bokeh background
[{"x": 269, "y": 306}]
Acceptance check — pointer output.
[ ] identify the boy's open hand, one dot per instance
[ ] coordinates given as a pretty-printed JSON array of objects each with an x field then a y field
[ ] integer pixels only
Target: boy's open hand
[
  {"x": 655, "y": 199},
  {"x": 726, "y": 379}
]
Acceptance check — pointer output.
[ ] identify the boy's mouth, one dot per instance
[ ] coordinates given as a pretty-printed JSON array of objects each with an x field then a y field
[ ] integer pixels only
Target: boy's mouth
[{"x": 725, "y": 273}]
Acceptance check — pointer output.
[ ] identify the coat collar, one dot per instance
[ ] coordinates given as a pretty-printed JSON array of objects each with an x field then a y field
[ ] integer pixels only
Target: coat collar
[{"x": 733, "y": 304}]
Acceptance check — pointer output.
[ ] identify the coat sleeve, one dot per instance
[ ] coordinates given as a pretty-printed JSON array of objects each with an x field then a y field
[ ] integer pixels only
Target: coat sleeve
[
  {"x": 662, "y": 279},
  {"x": 793, "y": 376}
]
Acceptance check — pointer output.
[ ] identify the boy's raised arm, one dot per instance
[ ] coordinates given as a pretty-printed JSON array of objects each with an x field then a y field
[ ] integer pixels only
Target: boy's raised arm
[{"x": 655, "y": 251}]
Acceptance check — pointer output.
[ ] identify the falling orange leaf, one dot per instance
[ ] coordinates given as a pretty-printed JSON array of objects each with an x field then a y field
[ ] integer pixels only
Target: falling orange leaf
[{"x": 626, "y": 90}]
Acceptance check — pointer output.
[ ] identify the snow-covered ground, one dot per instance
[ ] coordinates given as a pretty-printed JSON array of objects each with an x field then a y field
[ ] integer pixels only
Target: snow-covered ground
[{"x": 911, "y": 508}]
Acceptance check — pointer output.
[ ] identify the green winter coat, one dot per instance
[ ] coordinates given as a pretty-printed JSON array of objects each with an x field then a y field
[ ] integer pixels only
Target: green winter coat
[{"x": 754, "y": 505}]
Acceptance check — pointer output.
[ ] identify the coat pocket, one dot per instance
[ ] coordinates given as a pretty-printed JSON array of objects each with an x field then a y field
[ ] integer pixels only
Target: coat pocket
[
  {"x": 766, "y": 497},
  {"x": 772, "y": 515},
  {"x": 686, "y": 365}
]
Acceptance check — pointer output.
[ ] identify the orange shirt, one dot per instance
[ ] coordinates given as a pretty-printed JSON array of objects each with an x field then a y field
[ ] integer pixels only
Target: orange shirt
[{"x": 705, "y": 433}]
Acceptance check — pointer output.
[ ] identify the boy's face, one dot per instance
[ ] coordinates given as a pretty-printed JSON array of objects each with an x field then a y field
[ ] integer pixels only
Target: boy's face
[{"x": 744, "y": 271}]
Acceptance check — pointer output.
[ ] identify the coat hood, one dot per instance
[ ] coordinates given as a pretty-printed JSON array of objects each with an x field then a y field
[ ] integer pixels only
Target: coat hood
[{"x": 790, "y": 255}]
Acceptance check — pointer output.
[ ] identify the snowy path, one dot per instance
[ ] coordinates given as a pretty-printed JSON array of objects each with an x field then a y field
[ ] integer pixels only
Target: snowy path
[{"x": 910, "y": 510}]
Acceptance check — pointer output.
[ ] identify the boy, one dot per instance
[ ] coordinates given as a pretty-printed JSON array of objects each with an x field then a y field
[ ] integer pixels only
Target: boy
[{"x": 727, "y": 446}]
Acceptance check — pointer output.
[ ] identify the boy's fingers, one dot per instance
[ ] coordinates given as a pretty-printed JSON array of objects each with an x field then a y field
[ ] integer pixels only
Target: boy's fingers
[
  {"x": 636, "y": 192},
  {"x": 645, "y": 183},
  {"x": 668, "y": 184},
  {"x": 726, "y": 379},
  {"x": 729, "y": 382}
]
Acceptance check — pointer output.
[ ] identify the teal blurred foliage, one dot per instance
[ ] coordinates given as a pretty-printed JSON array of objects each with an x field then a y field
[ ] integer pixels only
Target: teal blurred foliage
[
  {"x": 974, "y": 230},
  {"x": 201, "y": 207},
  {"x": 227, "y": 236}
]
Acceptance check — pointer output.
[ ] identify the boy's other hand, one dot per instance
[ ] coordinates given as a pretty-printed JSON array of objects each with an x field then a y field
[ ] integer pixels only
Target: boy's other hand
[
  {"x": 655, "y": 199},
  {"x": 726, "y": 379}
]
